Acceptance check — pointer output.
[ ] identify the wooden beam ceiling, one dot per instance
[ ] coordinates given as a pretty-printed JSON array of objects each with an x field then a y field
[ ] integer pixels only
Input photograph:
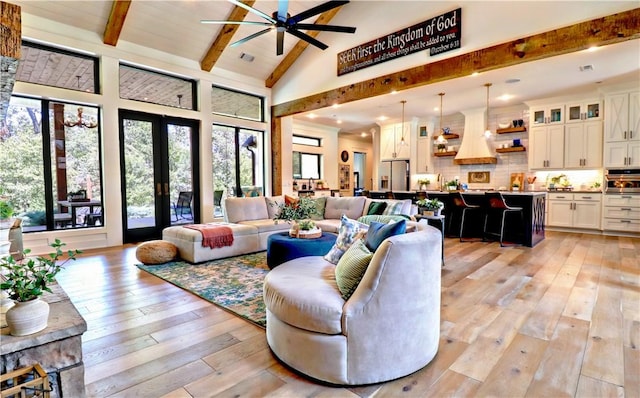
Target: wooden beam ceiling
[
  {"x": 224, "y": 37},
  {"x": 118, "y": 14},
  {"x": 297, "y": 50},
  {"x": 611, "y": 29}
]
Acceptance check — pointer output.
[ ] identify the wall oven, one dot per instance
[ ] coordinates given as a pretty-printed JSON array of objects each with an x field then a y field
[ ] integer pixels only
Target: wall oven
[
  {"x": 622, "y": 181},
  {"x": 622, "y": 201}
]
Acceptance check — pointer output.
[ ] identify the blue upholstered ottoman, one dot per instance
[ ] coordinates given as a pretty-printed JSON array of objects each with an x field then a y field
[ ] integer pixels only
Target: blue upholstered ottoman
[{"x": 281, "y": 247}]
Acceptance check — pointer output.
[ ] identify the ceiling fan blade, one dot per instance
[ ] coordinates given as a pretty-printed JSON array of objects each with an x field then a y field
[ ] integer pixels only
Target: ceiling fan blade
[
  {"x": 253, "y": 10},
  {"x": 280, "y": 42},
  {"x": 326, "y": 28},
  {"x": 307, "y": 38},
  {"x": 246, "y": 39},
  {"x": 283, "y": 9},
  {"x": 319, "y": 9},
  {"x": 218, "y": 22}
]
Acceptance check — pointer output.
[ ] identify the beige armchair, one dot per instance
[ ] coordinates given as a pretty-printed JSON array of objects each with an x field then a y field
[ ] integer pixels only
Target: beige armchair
[{"x": 388, "y": 328}]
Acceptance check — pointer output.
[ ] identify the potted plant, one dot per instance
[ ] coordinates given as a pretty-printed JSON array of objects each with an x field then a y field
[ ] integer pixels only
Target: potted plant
[
  {"x": 6, "y": 212},
  {"x": 25, "y": 281},
  {"x": 430, "y": 207},
  {"x": 423, "y": 182}
]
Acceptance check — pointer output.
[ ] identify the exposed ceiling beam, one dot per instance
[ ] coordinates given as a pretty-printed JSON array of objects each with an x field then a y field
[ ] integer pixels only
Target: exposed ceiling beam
[
  {"x": 611, "y": 29},
  {"x": 118, "y": 14},
  {"x": 224, "y": 37},
  {"x": 297, "y": 50}
]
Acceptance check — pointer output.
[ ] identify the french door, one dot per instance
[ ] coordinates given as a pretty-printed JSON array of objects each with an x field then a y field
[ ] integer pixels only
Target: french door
[{"x": 159, "y": 166}]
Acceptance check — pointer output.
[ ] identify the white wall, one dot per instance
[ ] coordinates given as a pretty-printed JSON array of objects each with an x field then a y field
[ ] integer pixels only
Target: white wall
[{"x": 55, "y": 34}]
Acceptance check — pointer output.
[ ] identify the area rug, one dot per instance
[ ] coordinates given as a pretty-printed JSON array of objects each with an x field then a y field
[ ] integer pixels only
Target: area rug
[{"x": 233, "y": 283}]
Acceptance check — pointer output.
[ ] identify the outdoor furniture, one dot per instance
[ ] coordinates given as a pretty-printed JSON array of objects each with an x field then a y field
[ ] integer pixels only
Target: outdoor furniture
[
  {"x": 74, "y": 205},
  {"x": 183, "y": 205},
  {"x": 217, "y": 202}
]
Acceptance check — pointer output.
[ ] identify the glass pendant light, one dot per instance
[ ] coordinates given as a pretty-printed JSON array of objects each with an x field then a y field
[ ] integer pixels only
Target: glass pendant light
[
  {"x": 441, "y": 139},
  {"x": 402, "y": 140},
  {"x": 487, "y": 132}
]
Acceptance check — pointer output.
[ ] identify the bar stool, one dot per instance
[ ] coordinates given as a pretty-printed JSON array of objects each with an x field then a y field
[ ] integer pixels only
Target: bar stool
[
  {"x": 496, "y": 205},
  {"x": 460, "y": 206}
]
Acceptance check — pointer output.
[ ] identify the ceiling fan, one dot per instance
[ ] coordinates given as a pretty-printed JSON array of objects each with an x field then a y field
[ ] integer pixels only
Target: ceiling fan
[{"x": 282, "y": 22}]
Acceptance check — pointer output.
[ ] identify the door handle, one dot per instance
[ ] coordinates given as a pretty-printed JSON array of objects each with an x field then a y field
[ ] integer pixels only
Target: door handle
[
  {"x": 166, "y": 188},
  {"x": 158, "y": 189}
]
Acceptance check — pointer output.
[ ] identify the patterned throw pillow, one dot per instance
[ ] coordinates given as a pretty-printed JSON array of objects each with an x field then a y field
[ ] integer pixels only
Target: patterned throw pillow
[
  {"x": 349, "y": 231},
  {"x": 352, "y": 267},
  {"x": 382, "y": 218},
  {"x": 378, "y": 232},
  {"x": 376, "y": 208},
  {"x": 393, "y": 208}
]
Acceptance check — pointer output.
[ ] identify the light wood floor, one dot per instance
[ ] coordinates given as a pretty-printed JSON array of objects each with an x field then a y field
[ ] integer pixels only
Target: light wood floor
[{"x": 561, "y": 319}]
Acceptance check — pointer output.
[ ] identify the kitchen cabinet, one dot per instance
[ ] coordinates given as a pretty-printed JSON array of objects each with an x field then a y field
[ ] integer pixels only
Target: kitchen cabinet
[
  {"x": 578, "y": 112},
  {"x": 622, "y": 130},
  {"x": 390, "y": 138},
  {"x": 546, "y": 145},
  {"x": 622, "y": 123},
  {"x": 547, "y": 114},
  {"x": 621, "y": 213},
  {"x": 622, "y": 154},
  {"x": 583, "y": 145},
  {"x": 574, "y": 210},
  {"x": 423, "y": 151}
]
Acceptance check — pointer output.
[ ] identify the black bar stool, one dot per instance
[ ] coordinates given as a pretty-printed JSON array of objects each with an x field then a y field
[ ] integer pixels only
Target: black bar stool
[
  {"x": 460, "y": 207},
  {"x": 497, "y": 206}
]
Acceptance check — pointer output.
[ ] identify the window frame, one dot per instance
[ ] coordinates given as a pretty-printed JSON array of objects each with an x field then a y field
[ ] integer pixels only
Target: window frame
[
  {"x": 231, "y": 90},
  {"x": 192, "y": 82}
]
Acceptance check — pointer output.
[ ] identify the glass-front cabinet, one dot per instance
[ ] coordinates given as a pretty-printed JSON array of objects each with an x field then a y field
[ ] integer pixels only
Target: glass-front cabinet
[
  {"x": 584, "y": 111},
  {"x": 552, "y": 114}
]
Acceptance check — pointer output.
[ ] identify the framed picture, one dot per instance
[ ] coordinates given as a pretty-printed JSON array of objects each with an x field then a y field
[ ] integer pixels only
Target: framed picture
[
  {"x": 345, "y": 176},
  {"x": 482, "y": 177},
  {"x": 423, "y": 131}
]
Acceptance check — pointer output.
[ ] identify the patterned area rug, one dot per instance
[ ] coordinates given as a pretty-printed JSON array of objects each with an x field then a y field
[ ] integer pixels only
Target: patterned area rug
[{"x": 233, "y": 283}]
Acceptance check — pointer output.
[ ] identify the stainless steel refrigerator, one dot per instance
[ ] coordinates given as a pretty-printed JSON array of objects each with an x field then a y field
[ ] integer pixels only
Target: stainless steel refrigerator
[{"x": 396, "y": 173}]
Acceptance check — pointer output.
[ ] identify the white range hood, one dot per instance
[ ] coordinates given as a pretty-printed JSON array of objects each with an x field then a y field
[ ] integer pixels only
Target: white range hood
[{"x": 475, "y": 148}]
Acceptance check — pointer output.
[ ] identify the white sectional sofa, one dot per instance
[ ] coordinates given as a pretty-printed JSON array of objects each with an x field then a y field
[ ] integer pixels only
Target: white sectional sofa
[{"x": 252, "y": 221}]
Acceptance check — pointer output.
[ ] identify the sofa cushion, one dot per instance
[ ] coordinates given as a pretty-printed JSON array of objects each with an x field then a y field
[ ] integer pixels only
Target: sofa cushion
[
  {"x": 382, "y": 218},
  {"x": 376, "y": 208},
  {"x": 274, "y": 203},
  {"x": 378, "y": 232},
  {"x": 351, "y": 267},
  {"x": 321, "y": 203},
  {"x": 393, "y": 208},
  {"x": 352, "y": 207},
  {"x": 303, "y": 293},
  {"x": 243, "y": 209},
  {"x": 350, "y": 231}
]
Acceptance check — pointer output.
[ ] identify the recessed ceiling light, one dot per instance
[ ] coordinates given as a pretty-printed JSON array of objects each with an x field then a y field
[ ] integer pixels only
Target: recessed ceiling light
[
  {"x": 334, "y": 106},
  {"x": 311, "y": 116},
  {"x": 394, "y": 92},
  {"x": 363, "y": 134},
  {"x": 512, "y": 81},
  {"x": 475, "y": 74},
  {"x": 592, "y": 48},
  {"x": 505, "y": 97},
  {"x": 382, "y": 118},
  {"x": 339, "y": 121}
]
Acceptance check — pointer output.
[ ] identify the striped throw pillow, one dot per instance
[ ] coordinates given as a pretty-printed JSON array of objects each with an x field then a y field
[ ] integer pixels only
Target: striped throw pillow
[{"x": 351, "y": 268}]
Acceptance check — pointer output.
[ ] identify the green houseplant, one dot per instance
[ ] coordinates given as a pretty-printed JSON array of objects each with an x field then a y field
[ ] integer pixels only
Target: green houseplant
[
  {"x": 300, "y": 209},
  {"x": 433, "y": 206},
  {"x": 24, "y": 281}
]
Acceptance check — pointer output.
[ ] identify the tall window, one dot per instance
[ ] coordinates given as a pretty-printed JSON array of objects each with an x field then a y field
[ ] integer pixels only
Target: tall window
[
  {"x": 50, "y": 152},
  {"x": 238, "y": 159},
  {"x": 306, "y": 165}
]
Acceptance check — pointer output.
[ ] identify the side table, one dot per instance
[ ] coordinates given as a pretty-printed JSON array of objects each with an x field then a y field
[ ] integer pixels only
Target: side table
[{"x": 436, "y": 221}]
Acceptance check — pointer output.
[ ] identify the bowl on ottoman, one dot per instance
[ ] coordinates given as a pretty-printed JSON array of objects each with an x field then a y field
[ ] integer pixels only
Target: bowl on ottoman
[{"x": 156, "y": 252}]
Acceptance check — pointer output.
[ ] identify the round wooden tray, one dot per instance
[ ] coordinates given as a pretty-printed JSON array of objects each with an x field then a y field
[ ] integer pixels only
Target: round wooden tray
[{"x": 311, "y": 234}]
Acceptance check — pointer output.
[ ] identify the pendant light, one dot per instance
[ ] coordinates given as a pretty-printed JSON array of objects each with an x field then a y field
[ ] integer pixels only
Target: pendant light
[
  {"x": 487, "y": 132},
  {"x": 441, "y": 139},
  {"x": 402, "y": 141}
]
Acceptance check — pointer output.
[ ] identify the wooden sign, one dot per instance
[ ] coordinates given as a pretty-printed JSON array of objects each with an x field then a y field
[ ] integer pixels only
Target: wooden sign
[{"x": 439, "y": 34}]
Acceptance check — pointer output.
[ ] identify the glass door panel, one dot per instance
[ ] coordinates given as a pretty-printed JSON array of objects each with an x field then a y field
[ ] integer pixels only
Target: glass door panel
[
  {"x": 180, "y": 173},
  {"x": 141, "y": 188}
]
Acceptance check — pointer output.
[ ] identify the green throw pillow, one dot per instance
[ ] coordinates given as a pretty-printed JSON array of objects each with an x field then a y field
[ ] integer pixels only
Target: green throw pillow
[
  {"x": 378, "y": 232},
  {"x": 320, "y": 205},
  {"x": 376, "y": 208},
  {"x": 351, "y": 268}
]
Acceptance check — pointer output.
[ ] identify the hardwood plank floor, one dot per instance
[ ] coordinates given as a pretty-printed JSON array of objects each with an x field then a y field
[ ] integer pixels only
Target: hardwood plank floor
[{"x": 560, "y": 319}]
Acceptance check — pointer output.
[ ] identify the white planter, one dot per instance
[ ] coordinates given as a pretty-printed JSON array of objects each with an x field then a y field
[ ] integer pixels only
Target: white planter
[{"x": 27, "y": 317}]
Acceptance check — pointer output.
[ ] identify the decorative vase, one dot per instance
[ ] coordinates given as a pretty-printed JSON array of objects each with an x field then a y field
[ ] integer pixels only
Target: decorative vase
[{"x": 27, "y": 317}]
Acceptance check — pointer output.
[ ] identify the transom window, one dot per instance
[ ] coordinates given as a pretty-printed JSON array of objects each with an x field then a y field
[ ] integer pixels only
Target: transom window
[
  {"x": 157, "y": 88},
  {"x": 227, "y": 102}
]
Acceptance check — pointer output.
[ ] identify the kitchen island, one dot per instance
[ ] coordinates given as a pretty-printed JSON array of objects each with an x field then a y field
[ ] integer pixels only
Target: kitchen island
[{"x": 533, "y": 208}]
